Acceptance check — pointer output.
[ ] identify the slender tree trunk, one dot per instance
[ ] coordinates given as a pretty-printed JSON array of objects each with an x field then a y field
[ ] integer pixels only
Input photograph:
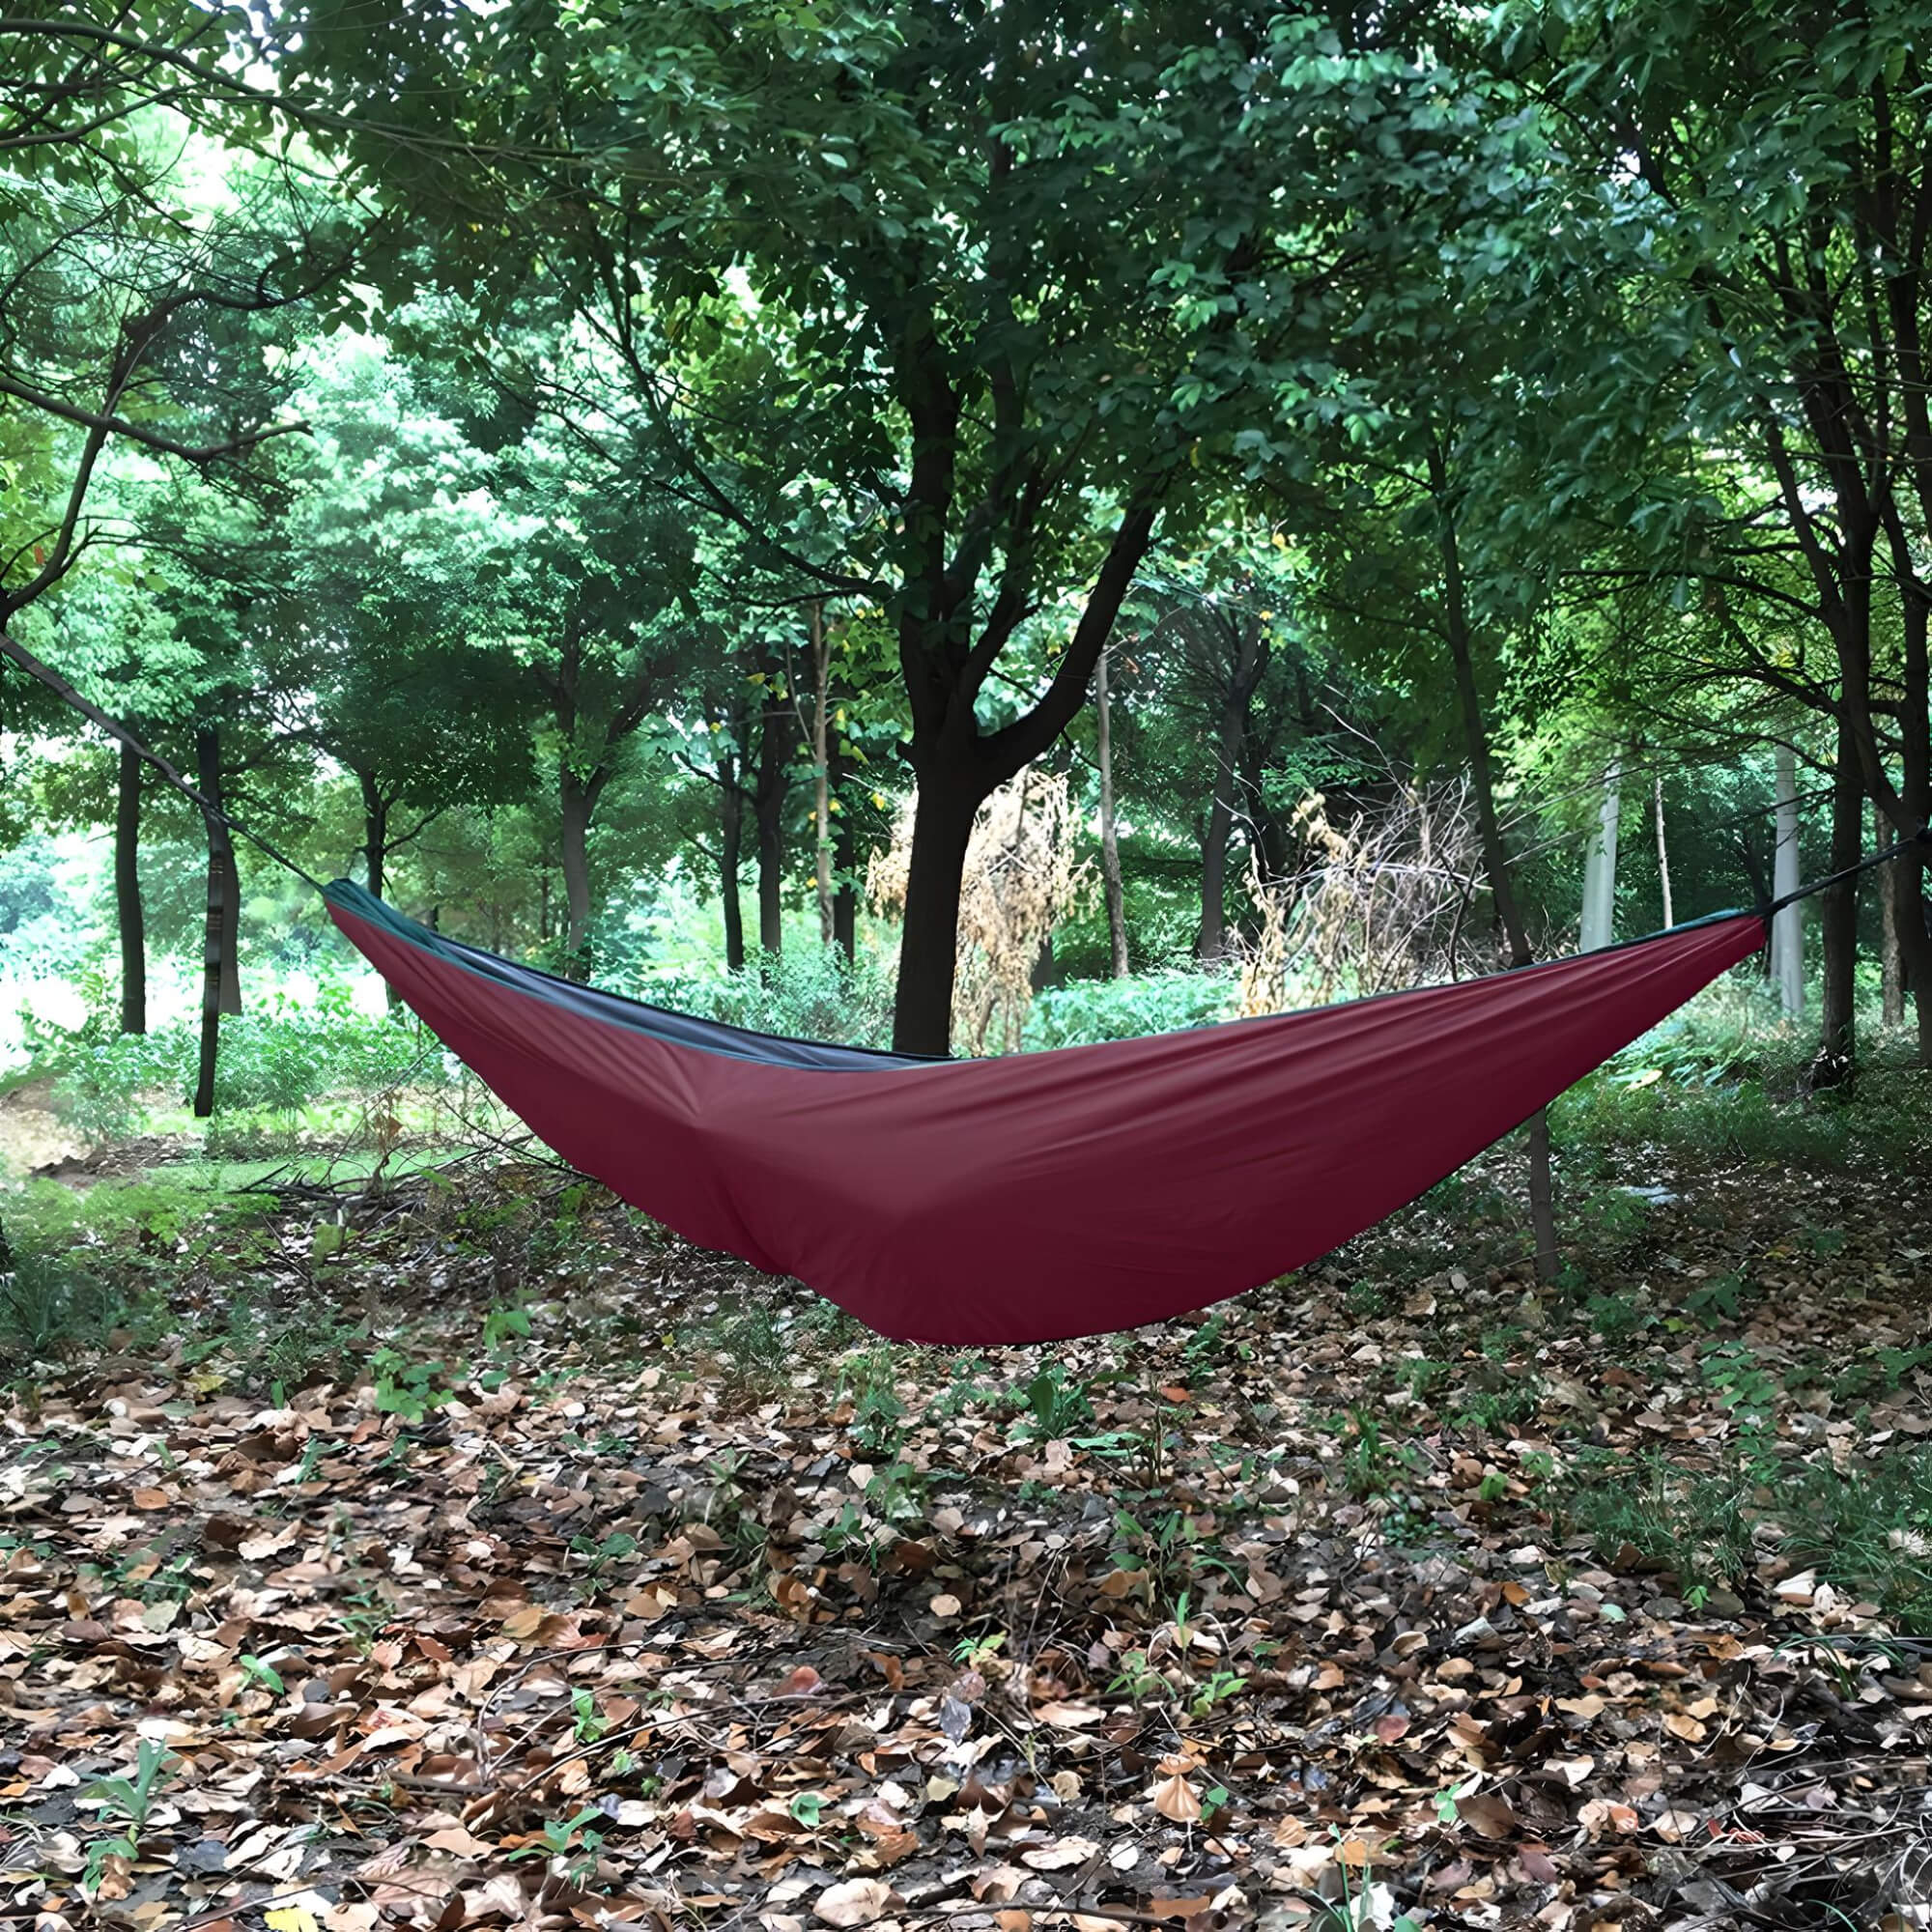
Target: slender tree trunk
[
  {"x": 1268, "y": 836},
  {"x": 821, "y": 769},
  {"x": 1892, "y": 956},
  {"x": 949, "y": 797},
  {"x": 1110, "y": 844},
  {"x": 376, "y": 857},
  {"x": 1211, "y": 942},
  {"x": 129, "y": 912},
  {"x": 215, "y": 929},
  {"x": 577, "y": 801},
  {"x": 1787, "y": 927},
  {"x": 1495, "y": 859},
  {"x": 846, "y": 856},
  {"x": 1662, "y": 850},
  {"x": 777, "y": 742},
  {"x": 374, "y": 834},
  {"x": 1838, "y": 915},
  {"x": 213, "y": 789},
  {"x": 730, "y": 850},
  {"x": 1599, "y": 866}
]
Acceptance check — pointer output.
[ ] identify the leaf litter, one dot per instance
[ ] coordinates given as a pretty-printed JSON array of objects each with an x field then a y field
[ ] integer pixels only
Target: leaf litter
[{"x": 597, "y": 1581}]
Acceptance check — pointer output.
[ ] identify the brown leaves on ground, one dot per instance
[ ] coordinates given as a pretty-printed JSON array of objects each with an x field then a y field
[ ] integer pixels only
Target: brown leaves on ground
[{"x": 694, "y": 1606}]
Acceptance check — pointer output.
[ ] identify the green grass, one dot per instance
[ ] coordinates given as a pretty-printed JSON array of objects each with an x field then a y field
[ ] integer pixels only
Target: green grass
[{"x": 1867, "y": 1531}]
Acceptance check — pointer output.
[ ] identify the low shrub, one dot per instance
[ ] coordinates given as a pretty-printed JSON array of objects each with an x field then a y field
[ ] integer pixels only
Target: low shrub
[
  {"x": 1083, "y": 1011},
  {"x": 278, "y": 1061},
  {"x": 812, "y": 992}
]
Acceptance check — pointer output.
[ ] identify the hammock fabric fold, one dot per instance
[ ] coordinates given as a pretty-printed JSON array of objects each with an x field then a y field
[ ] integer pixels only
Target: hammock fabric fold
[{"x": 1047, "y": 1194}]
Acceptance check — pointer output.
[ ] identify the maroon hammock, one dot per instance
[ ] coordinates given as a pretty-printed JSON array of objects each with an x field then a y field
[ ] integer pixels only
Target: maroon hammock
[{"x": 1043, "y": 1195}]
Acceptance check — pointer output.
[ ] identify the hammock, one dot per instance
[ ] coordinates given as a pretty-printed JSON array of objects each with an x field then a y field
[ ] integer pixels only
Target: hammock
[{"x": 1045, "y": 1195}]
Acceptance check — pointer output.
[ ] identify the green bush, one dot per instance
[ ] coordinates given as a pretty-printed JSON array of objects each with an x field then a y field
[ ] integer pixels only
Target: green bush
[
  {"x": 1083, "y": 1011},
  {"x": 279, "y": 1060},
  {"x": 812, "y": 992}
]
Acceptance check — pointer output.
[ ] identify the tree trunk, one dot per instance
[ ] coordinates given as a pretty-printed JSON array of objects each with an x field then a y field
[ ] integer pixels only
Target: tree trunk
[
  {"x": 821, "y": 768},
  {"x": 730, "y": 850},
  {"x": 1495, "y": 860},
  {"x": 576, "y": 800},
  {"x": 376, "y": 859},
  {"x": 215, "y": 929},
  {"x": 1211, "y": 942},
  {"x": 375, "y": 834},
  {"x": 129, "y": 912},
  {"x": 1110, "y": 844},
  {"x": 207, "y": 759},
  {"x": 1838, "y": 914},
  {"x": 1787, "y": 927},
  {"x": 1599, "y": 866},
  {"x": 1662, "y": 850},
  {"x": 1891, "y": 909},
  {"x": 949, "y": 797},
  {"x": 846, "y": 856},
  {"x": 777, "y": 741}
]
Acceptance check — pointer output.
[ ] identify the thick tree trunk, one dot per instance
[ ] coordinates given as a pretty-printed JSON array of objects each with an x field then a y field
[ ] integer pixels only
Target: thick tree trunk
[
  {"x": 731, "y": 851},
  {"x": 1838, "y": 913},
  {"x": 1599, "y": 866},
  {"x": 1495, "y": 859},
  {"x": 1787, "y": 927},
  {"x": 949, "y": 797},
  {"x": 216, "y": 927},
  {"x": 577, "y": 800},
  {"x": 129, "y": 912},
  {"x": 1662, "y": 850},
  {"x": 1110, "y": 844}
]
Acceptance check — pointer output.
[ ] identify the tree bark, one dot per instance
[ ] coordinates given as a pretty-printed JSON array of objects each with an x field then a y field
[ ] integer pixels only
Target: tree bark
[
  {"x": 375, "y": 834},
  {"x": 129, "y": 914},
  {"x": 1838, "y": 914},
  {"x": 1599, "y": 866},
  {"x": 376, "y": 857},
  {"x": 1110, "y": 844},
  {"x": 577, "y": 800},
  {"x": 1231, "y": 731},
  {"x": 1662, "y": 850},
  {"x": 731, "y": 851},
  {"x": 778, "y": 741},
  {"x": 1787, "y": 927},
  {"x": 821, "y": 769},
  {"x": 949, "y": 799},
  {"x": 215, "y": 929},
  {"x": 1495, "y": 859},
  {"x": 1892, "y": 957},
  {"x": 846, "y": 856}
]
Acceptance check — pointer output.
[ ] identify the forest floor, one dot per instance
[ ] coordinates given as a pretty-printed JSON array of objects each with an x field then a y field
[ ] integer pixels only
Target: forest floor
[{"x": 465, "y": 1551}]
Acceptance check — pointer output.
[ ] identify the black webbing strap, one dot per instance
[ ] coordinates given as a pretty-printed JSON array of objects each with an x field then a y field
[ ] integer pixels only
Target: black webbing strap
[
  {"x": 63, "y": 689},
  {"x": 1884, "y": 855}
]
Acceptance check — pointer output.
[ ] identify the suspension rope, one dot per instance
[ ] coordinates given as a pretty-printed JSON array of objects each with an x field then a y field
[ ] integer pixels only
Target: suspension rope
[{"x": 63, "y": 689}]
